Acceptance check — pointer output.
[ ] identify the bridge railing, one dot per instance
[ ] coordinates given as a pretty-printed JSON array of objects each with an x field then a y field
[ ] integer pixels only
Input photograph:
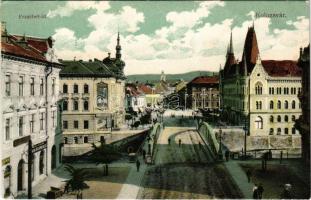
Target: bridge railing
[
  {"x": 157, "y": 129},
  {"x": 208, "y": 135}
]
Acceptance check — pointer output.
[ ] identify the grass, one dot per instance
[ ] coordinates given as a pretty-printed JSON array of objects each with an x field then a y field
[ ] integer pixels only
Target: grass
[{"x": 274, "y": 179}]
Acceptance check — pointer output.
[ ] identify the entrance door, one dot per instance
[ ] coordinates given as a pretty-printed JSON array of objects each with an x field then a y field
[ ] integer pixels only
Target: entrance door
[
  {"x": 20, "y": 175},
  {"x": 53, "y": 155}
]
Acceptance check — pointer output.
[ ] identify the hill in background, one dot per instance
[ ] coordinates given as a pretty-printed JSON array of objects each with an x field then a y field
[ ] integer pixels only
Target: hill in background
[{"x": 153, "y": 78}]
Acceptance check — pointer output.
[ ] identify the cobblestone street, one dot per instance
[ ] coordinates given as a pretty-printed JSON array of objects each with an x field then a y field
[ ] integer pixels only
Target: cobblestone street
[{"x": 185, "y": 171}]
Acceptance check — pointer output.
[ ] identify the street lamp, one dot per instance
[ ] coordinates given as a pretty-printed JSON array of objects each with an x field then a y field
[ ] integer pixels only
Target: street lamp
[
  {"x": 185, "y": 107},
  {"x": 245, "y": 135},
  {"x": 220, "y": 146}
]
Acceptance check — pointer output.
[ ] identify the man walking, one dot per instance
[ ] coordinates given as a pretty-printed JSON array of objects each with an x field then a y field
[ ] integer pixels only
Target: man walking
[
  {"x": 227, "y": 155},
  {"x": 260, "y": 191},
  {"x": 179, "y": 142},
  {"x": 248, "y": 174},
  {"x": 255, "y": 192},
  {"x": 137, "y": 165},
  {"x": 169, "y": 141},
  {"x": 144, "y": 154}
]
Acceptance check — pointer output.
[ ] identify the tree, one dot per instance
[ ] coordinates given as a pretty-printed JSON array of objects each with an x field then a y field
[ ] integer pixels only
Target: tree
[{"x": 77, "y": 178}]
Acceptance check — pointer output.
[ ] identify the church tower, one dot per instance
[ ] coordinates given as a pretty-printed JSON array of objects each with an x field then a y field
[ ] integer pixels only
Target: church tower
[
  {"x": 118, "y": 48},
  {"x": 230, "y": 59}
]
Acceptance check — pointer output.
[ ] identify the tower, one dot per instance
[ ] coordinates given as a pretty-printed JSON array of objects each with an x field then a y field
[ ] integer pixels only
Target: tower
[
  {"x": 230, "y": 59},
  {"x": 118, "y": 48}
]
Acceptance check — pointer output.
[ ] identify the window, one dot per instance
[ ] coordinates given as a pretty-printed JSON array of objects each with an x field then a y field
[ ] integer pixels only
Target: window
[
  {"x": 65, "y": 140},
  {"x": 271, "y": 118},
  {"x": 31, "y": 123},
  {"x": 53, "y": 118},
  {"x": 293, "y": 105},
  {"x": 286, "y": 131},
  {"x": 259, "y": 123},
  {"x": 279, "y": 105},
  {"x": 7, "y": 129},
  {"x": 286, "y": 118},
  {"x": 75, "y": 124},
  {"x": 65, "y": 88},
  {"x": 286, "y": 104},
  {"x": 75, "y": 89},
  {"x": 86, "y": 88},
  {"x": 86, "y": 105},
  {"x": 75, "y": 105},
  {"x": 53, "y": 86},
  {"x": 279, "y": 131},
  {"x": 65, "y": 124},
  {"x": 65, "y": 105},
  {"x": 270, "y": 90},
  {"x": 299, "y": 105},
  {"x": 279, "y": 118},
  {"x": 293, "y": 118},
  {"x": 20, "y": 126},
  {"x": 271, "y": 104},
  {"x": 75, "y": 139},
  {"x": 21, "y": 86},
  {"x": 85, "y": 139},
  {"x": 293, "y": 130},
  {"x": 8, "y": 85},
  {"x": 294, "y": 90},
  {"x": 86, "y": 124},
  {"x": 32, "y": 86},
  {"x": 41, "y": 121},
  {"x": 102, "y": 93},
  {"x": 258, "y": 105},
  {"x": 271, "y": 131},
  {"x": 299, "y": 90},
  {"x": 41, "y": 86},
  {"x": 258, "y": 88}
]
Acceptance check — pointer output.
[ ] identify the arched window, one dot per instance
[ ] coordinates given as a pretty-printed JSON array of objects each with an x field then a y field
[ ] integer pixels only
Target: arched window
[
  {"x": 279, "y": 118},
  {"x": 293, "y": 118},
  {"x": 258, "y": 88},
  {"x": 86, "y": 88},
  {"x": 7, "y": 179},
  {"x": 75, "y": 88},
  {"x": 286, "y": 118},
  {"x": 271, "y": 104},
  {"x": 271, "y": 131},
  {"x": 271, "y": 118},
  {"x": 279, "y": 105},
  {"x": 85, "y": 139},
  {"x": 86, "y": 105},
  {"x": 65, "y": 105},
  {"x": 75, "y": 139},
  {"x": 65, "y": 88},
  {"x": 286, "y": 131},
  {"x": 102, "y": 95},
  {"x": 293, "y": 130},
  {"x": 286, "y": 104},
  {"x": 279, "y": 131},
  {"x": 75, "y": 105},
  {"x": 293, "y": 105},
  {"x": 65, "y": 140},
  {"x": 259, "y": 123}
]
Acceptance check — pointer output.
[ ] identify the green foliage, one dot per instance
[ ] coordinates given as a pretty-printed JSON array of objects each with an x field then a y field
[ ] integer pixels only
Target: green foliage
[
  {"x": 104, "y": 153},
  {"x": 78, "y": 177}
]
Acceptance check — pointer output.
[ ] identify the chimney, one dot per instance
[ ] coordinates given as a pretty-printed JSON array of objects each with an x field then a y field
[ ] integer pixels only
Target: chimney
[{"x": 4, "y": 34}]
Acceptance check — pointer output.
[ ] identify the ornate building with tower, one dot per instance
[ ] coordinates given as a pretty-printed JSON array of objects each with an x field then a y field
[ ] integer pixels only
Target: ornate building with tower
[
  {"x": 261, "y": 95},
  {"x": 31, "y": 134},
  {"x": 93, "y": 100}
]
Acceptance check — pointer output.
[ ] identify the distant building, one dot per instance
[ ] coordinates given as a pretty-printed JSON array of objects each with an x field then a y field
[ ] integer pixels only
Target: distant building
[
  {"x": 135, "y": 98},
  {"x": 152, "y": 97},
  {"x": 303, "y": 123},
  {"x": 261, "y": 95},
  {"x": 93, "y": 100},
  {"x": 203, "y": 93},
  {"x": 29, "y": 101}
]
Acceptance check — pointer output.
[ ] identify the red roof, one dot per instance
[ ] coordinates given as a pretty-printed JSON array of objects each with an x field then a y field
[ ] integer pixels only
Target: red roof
[
  {"x": 279, "y": 68},
  {"x": 33, "y": 48},
  {"x": 205, "y": 80},
  {"x": 132, "y": 90},
  {"x": 146, "y": 89}
]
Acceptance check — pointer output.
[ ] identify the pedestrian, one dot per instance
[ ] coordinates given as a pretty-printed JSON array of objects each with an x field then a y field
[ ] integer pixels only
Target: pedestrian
[
  {"x": 260, "y": 190},
  {"x": 144, "y": 154},
  {"x": 137, "y": 165},
  {"x": 255, "y": 192},
  {"x": 248, "y": 174},
  {"x": 227, "y": 154},
  {"x": 169, "y": 141},
  {"x": 106, "y": 166},
  {"x": 66, "y": 189},
  {"x": 179, "y": 142}
]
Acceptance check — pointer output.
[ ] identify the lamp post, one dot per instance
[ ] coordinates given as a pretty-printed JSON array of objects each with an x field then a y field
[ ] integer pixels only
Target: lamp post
[
  {"x": 245, "y": 135},
  {"x": 220, "y": 146},
  {"x": 185, "y": 107}
]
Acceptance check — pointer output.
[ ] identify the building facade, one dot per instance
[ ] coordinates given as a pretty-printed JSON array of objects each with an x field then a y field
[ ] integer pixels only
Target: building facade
[
  {"x": 93, "y": 100},
  {"x": 203, "y": 93},
  {"x": 30, "y": 102},
  {"x": 135, "y": 98},
  {"x": 261, "y": 95},
  {"x": 303, "y": 123}
]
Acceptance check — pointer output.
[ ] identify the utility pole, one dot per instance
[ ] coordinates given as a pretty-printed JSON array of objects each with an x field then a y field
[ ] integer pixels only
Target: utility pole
[{"x": 30, "y": 160}]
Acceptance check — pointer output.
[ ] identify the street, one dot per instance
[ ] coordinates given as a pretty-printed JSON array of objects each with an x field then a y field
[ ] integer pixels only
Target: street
[{"x": 185, "y": 171}]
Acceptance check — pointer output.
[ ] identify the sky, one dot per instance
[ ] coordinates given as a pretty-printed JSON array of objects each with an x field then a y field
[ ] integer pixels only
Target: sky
[{"x": 173, "y": 36}]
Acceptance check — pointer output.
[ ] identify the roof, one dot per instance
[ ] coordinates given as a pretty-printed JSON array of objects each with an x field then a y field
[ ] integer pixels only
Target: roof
[
  {"x": 41, "y": 44},
  {"x": 94, "y": 68},
  {"x": 205, "y": 80},
  {"x": 281, "y": 68},
  {"x": 132, "y": 90},
  {"x": 145, "y": 89}
]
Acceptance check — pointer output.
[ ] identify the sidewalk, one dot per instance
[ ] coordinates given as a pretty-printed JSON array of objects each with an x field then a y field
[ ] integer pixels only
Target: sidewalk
[{"x": 240, "y": 178}]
